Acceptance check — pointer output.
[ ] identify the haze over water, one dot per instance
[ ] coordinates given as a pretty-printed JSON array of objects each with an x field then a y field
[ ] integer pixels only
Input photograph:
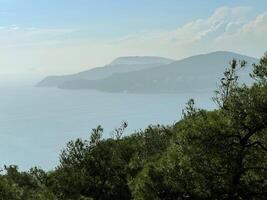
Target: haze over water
[{"x": 36, "y": 123}]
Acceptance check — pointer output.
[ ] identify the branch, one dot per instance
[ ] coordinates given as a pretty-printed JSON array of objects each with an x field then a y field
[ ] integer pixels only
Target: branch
[
  {"x": 229, "y": 136},
  {"x": 255, "y": 168},
  {"x": 256, "y": 143}
]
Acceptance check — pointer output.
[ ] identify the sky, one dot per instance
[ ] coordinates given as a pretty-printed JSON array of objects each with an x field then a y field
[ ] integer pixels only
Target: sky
[{"x": 40, "y": 38}]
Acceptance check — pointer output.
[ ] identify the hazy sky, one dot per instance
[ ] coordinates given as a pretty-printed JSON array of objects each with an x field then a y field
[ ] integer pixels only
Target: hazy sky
[{"x": 43, "y": 37}]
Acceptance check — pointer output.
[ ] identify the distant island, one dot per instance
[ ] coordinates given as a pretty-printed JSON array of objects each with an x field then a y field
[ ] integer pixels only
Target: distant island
[{"x": 152, "y": 74}]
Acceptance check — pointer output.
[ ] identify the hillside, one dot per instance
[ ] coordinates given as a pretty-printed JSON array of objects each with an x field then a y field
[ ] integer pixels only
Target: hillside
[
  {"x": 195, "y": 73},
  {"x": 119, "y": 65}
]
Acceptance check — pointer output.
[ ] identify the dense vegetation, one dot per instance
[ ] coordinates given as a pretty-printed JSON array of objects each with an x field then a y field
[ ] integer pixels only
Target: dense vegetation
[{"x": 220, "y": 154}]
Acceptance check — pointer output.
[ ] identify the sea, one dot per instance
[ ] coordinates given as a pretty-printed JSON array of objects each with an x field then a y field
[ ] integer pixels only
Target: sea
[{"x": 36, "y": 123}]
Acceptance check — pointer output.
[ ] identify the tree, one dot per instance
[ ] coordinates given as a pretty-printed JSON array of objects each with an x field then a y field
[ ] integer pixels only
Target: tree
[
  {"x": 219, "y": 154},
  {"x": 9, "y": 190}
]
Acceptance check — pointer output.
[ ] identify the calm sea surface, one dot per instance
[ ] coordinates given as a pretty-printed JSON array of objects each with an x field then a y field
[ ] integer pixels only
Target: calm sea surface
[{"x": 36, "y": 123}]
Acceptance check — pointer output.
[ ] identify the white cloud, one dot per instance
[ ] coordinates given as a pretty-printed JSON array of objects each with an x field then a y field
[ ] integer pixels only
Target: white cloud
[{"x": 227, "y": 29}]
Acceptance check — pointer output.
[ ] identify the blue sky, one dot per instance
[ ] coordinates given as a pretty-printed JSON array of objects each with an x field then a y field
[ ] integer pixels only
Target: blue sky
[
  {"x": 65, "y": 36},
  {"x": 113, "y": 17}
]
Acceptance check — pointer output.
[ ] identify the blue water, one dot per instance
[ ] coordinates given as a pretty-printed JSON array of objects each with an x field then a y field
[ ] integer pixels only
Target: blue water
[{"x": 36, "y": 123}]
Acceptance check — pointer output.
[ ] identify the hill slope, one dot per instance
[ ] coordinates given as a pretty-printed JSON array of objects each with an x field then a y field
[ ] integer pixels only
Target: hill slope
[
  {"x": 119, "y": 65},
  {"x": 195, "y": 73}
]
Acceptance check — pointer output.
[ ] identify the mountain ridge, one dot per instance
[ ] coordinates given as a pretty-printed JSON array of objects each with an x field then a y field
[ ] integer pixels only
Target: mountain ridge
[
  {"x": 199, "y": 72},
  {"x": 118, "y": 65},
  {"x": 141, "y": 60}
]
